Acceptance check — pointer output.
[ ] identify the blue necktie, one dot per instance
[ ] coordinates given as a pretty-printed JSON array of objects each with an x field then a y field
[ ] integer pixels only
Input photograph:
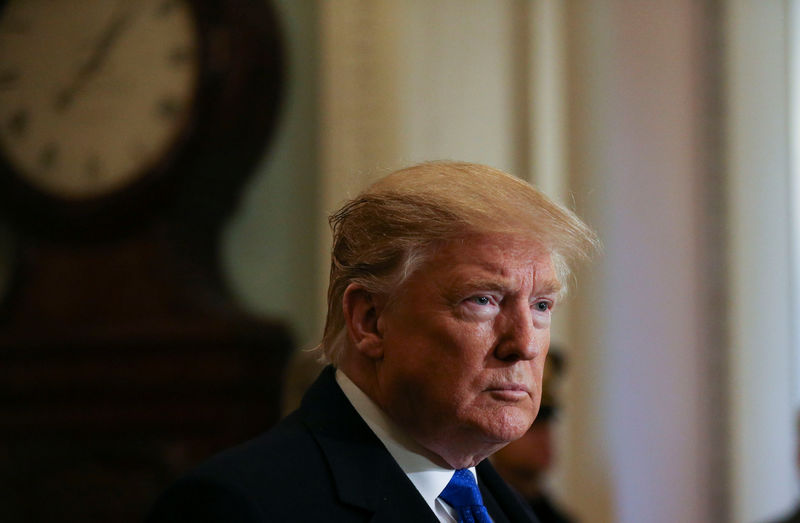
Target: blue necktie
[{"x": 463, "y": 495}]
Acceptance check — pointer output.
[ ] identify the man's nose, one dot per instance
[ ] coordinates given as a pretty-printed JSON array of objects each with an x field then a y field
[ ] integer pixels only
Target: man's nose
[{"x": 518, "y": 337}]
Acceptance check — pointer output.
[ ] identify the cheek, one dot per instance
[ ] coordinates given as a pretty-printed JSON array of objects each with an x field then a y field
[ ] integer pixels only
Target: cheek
[
  {"x": 474, "y": 344},
  {"x": 456, "y": 350},
  {"x": 439, "y": 362}
]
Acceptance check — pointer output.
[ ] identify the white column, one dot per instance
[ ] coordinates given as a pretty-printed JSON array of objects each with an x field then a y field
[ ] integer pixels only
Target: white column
[
  {"x": 548, "y": 111},
  {"x": 456, "y": 88},
  {"x": 762, "y": 467},
  {"x": 642, "y": 435}
]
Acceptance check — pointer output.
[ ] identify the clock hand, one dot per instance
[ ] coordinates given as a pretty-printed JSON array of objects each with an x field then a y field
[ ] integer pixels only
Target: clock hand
[{"x": 66, "y": 96}]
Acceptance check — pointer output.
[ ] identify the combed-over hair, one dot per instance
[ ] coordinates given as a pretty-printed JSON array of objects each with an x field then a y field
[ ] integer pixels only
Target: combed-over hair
[{"x": 387, "y": 232}]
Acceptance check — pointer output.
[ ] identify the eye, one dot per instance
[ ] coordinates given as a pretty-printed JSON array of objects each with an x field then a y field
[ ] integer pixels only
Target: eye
[
  {"x": 543, "y": 306},
  {"x": 481, "y": 300}
]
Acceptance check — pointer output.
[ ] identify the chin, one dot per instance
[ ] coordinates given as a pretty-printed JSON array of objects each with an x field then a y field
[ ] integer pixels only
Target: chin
[{"x": 504, "y": 427}]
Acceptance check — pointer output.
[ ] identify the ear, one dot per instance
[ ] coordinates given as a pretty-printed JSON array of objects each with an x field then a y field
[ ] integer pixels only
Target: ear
[{"x": 362, "y": 310}]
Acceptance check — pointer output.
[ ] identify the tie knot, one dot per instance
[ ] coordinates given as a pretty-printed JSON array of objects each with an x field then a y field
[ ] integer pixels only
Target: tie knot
[{"x": 462, "y": 494}]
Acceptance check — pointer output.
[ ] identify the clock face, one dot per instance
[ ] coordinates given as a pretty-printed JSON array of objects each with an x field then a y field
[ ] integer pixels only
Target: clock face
[{"x": 94, "y": 93}]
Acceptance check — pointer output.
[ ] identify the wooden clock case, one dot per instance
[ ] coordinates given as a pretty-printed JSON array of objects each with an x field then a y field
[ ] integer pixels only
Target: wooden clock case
[{"x": 123, "y": 360}]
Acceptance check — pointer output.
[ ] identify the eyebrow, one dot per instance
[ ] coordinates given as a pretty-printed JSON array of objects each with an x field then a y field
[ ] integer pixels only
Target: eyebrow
[
  {"x": 485, "y": 284},
  {"x": 548, "y": 287}
]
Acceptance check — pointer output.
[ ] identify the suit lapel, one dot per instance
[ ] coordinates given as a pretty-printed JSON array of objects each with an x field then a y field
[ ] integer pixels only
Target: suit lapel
[
  {"x": 491, "y": 504},
  {"x": 365, "y": 474},
  {"x": 503, "y": 504}
]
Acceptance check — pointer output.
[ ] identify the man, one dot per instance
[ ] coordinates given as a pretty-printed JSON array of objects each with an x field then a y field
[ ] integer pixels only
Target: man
[
  {"x": 524, "y": 463},
  {"x": 443, "y": 281}
]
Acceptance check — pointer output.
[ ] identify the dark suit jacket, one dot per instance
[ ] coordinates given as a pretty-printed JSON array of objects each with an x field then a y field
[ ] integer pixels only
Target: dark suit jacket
[{"x": 322, "y": 463}]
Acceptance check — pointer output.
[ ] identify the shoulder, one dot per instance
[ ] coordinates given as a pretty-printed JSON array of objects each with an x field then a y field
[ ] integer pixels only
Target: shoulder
[
  {"x": 246, "y": 482},
  {"x": 284, "y": 474},
  {"x": 272, "y": 454},
  {"x": 200, "y": 499}
]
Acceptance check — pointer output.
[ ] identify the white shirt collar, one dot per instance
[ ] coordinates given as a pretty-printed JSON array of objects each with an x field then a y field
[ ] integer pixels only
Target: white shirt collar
[{"x": 429, "y": 478}]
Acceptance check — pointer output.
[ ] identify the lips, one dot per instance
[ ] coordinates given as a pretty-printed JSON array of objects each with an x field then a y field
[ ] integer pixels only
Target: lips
[{"x": 509, "y": 391}]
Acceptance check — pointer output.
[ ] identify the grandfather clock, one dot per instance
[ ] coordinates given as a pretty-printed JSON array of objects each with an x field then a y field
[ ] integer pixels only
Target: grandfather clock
[{"x": 126, "y": 131}]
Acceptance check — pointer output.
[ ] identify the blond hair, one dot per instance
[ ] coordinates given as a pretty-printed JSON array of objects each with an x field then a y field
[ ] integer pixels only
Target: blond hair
[{"x": 387, "y": 232}]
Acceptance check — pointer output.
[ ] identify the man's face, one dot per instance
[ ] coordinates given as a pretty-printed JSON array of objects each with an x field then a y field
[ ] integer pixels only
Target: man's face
[{"x": 464, "y": 346}]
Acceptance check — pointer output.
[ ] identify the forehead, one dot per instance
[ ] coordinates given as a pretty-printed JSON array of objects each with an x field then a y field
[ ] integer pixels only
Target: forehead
[{"x": 497, "y": 260}]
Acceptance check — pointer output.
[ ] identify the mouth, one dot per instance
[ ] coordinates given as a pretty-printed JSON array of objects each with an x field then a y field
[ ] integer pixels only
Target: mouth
[{"x": 509, "y": 392}]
